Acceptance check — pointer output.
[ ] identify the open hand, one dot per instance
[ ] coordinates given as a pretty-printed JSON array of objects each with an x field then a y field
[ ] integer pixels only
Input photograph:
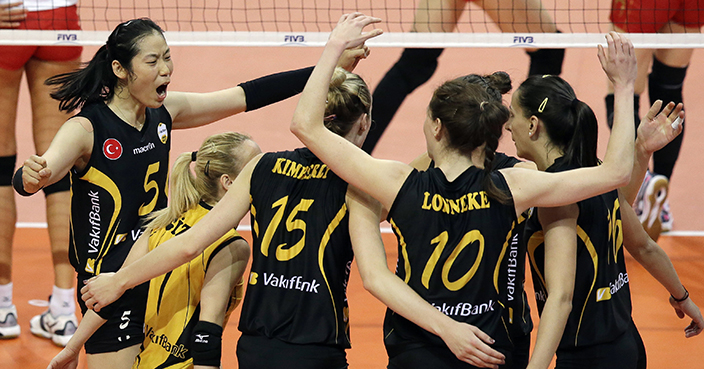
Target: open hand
[
  {"x": 656, "y": 129},
  {"x": 619, "y": 59},
  {"x": 12, "y": 14},
  {"x": 349, "y": 30},
  {"x": 471, "y": 345}
]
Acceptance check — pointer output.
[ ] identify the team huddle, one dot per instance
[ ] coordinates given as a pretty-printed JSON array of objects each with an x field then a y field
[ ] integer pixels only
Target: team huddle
[{"x": 160, "y": 279}]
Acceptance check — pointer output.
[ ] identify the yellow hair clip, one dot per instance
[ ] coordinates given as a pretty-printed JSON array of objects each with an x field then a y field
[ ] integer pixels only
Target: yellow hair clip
[{"x": 542, "y": 105}]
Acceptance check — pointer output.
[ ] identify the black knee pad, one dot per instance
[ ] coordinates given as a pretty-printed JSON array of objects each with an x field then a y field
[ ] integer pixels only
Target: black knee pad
[
  {"x": 64, "y": 184},
  {"x": 665, "y": 82},
  {"x": 609, "y": 99},
  {"x": 546, "y": 61},
  {"x": 206, "y": 344},
  {"x": 7, "y": 169}
]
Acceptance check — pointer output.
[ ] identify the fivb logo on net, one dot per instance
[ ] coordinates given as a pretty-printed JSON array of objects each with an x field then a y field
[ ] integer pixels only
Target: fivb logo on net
[
  {"x": 294, "y": 39},
  {"x": 67, "y": 38},
  {"x": 523, "y": 40}
]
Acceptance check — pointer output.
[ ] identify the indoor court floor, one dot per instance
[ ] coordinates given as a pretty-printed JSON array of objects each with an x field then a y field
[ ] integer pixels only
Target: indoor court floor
[{"x": 208, "y": 68}]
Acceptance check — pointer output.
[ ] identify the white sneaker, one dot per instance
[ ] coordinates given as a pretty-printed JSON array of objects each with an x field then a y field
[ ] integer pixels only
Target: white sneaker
[
  {"x": 649, "y": 203},
  {"x": 666, "y": 217},
  {"x": 58, "y": 329},
  {"x": 9, "y": 328}
]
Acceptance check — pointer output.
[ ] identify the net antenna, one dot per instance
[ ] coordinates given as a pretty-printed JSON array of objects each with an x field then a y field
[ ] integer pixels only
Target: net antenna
[{"x": 510, "y": 23}]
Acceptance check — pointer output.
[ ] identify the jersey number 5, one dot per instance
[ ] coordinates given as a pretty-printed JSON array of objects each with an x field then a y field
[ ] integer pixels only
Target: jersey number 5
[{"x": 150, "y": 185}]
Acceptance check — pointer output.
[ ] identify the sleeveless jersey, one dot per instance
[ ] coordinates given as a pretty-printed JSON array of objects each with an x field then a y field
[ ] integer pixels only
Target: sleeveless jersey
[
  {"x": 173, "y": 305},
  {"x": 453, "y": 245},
  {"x": 601, "y": 304},
  {"x": 301, "y": 253},
  {"x": 125, "y": 178},
  {"x": 517, "y": 312}
]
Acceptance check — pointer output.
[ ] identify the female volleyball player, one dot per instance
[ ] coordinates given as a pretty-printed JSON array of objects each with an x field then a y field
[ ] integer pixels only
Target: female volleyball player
[
  {"x": 576, "y": 251},
  {"x": 453, "y": 221},
  {"x": 517, "y": 315},
  {"x": 117, "y": 149},
  {"x": 195, "y": 299}
]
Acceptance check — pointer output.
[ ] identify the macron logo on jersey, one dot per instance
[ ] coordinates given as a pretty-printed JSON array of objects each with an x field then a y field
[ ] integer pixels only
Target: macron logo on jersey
[{"x": 112, "y": 149}]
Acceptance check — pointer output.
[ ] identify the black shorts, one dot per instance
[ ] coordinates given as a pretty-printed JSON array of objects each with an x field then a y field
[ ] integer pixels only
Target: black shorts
[
  {"x": 434, "y": 357},
  {"x": 125, "y": 320},
  {"x": 521, "y": 351},
  {"x": 259, "y": 352},
  {"x": 625, "y": 352}
]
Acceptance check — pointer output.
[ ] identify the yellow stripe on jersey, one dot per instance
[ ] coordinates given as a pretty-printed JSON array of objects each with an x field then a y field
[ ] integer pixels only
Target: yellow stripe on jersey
[
  {"x": 595, "y": 261},
  {"x": 404, "y": 252},
  {"x": 501, "y": 257},
  {"x": 537, "y": 239},
  {"x": 321, "y": 253},
  {"x": 615, "y": 231},
  {"x": 101, "y": 180}
]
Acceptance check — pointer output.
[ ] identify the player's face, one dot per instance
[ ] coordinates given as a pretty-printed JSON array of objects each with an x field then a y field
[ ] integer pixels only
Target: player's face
[
  {"x": 519, "y": 125},
  {"x": 151, "y": 71}
]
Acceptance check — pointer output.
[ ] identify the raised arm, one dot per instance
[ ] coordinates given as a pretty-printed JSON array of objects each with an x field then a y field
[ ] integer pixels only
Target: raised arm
[
  {"x": 467, "y": 342},
  {"x": 72, "y": 146},
  {"x": 344, "y": 158},
  {"x": 560, "y": 226},
  {"x": 649, "y": 254},
  {"x": 196, "y": 109},
  {"x": 104, "y": 289},
  {"x": 532, "y": 188}
]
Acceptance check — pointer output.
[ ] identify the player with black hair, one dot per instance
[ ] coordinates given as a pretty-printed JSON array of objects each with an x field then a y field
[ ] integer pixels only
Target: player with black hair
[{"x": 117, "y": 151}]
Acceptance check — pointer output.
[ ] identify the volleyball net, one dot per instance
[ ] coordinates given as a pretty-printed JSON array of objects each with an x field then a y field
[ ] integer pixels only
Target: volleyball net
[{"x": 496, "y": 23}]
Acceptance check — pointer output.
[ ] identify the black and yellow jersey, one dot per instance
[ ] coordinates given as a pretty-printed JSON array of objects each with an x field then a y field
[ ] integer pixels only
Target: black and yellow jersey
[
  {"x": 517, "y": 312},
  {"x": 301, "y": 250},
  {"x": 601, "y": 304},
  {"x": 125, "y": 178},
  {"x": 173, "y": 305},
  {"x": 453, "y": 245}
]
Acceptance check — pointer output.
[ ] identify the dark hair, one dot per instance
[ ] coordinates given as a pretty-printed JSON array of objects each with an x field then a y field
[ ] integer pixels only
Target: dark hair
[
  {"x": 570, "y": 123},
  {"x": 471, "y": 110},
  {"x": 96, "y": 80},
  {"x": 348, "y": 99}
]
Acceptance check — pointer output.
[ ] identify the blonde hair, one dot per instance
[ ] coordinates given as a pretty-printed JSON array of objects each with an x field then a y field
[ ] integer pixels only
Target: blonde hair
[
  {"x": 216, "y": 156},
  {"x": 348, "y": 99}
]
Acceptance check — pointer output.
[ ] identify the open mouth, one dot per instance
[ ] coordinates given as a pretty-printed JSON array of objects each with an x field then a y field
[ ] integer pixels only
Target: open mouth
[{"x": 161, "y": 90}]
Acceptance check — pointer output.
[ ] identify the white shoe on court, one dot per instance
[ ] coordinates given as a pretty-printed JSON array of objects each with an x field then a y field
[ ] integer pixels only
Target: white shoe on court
[
  {"x": 9, "y": 328},
  {"x": 58, "y": 329},
  {"x": 666, "y": 217},
  {"x": 649, "y": 203}
]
